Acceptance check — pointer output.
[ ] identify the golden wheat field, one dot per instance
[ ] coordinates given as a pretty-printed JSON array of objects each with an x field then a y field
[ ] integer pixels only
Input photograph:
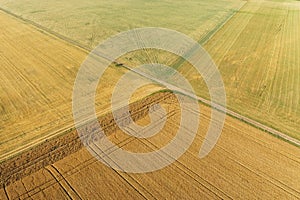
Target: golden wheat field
[
  {"x": 43, "y": 154},
  {"x": 37, "y": 76},
  {"x": 37, "y": 79},
  {"x": 246, "y": 164}
]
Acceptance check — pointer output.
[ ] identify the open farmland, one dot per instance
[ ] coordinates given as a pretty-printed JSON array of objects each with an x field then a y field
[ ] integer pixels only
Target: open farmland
[
  {"x": 260, "y": 42},
  {"x": 92, "y": 21},
  {"x": 37, "y": 76},
  {"x": 245, "y": 164},
  {"x": 258, "y": 54},
  {"x": 38, "y": 71},
  {"x": 257, "y": 51}
]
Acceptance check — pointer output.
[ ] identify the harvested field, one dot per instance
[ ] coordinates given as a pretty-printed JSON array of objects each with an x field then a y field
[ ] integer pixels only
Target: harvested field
[{"x": 245, "y": 164}]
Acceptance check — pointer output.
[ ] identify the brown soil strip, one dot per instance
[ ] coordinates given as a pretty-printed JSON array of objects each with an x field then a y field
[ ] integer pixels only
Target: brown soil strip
[{"x": 61, "y": 146}]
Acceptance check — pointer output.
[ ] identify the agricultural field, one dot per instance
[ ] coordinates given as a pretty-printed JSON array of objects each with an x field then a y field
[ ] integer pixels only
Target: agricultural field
[
  {"x": 255, "y": 45},
  {"x": 257, "y": 52},
  {"x": 92, "y": 21},
  {"x": 243, "y": 165},
  {"x": 37, "y": 76},
  {"x": 259, "y": 42},
  {"x": 38, "y": 71},
  {"x": 258, "y": 55}
]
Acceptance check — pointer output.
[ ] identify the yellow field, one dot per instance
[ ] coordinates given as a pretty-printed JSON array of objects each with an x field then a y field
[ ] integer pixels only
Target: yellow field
[
  {"x": 37, "y": 76},
  {"x": 245, "y": 164},
  {"x": 257, "y": 52}
]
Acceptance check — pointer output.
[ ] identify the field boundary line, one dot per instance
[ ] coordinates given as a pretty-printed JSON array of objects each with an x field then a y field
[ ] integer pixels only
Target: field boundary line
[
  {"x": 48, "y": 31},
  {"x": 202, "y": 41},
  {"x": 212, "y": 33}
]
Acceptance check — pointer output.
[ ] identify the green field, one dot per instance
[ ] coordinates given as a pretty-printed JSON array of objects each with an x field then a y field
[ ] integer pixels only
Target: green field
[
  {"x": 258, "y": 53},
  {"x": 89, "y": 22}
]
